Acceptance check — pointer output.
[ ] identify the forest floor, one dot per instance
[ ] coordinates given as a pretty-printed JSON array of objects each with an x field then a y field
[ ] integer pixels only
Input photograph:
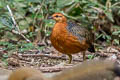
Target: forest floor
[{"x": 50, "y": 61}]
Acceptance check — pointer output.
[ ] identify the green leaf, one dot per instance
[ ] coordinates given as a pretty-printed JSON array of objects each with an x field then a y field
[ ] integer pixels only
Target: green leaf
[
  {"x": 90, "y": 56},
  {"x": 7, "y": 22},
  {"x": 1, "y": 26},
  {"x": 48, "y": 33},
  {"x": 5, "y": 56},
  {"x": 119, "y": 12},
  {"x": 116, "y": 33},
  {"x": 20, "y": 5},
  {"x": 108, "y": 37},
  {"x": 34, "y": 1},
  {"x": 116, "y": 41},
  {"x": 1, "y": 4},
  {"x": 98, "y": 36},
  {"x": 19, "y": 0},
  {"x": 62, "y": 3},
  {"x": 109, "y": 15},
  {"x": 5, "y": 61}
]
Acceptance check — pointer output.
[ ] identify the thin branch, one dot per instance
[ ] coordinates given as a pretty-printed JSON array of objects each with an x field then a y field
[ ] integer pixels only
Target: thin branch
[
  {"x": 117, "y": 3},
  {"x": 97, "y": 9},
  {"x": 53, "y": 69},
  {"x": 38, "y": 11},
  {"x": 15, "y": 24}
]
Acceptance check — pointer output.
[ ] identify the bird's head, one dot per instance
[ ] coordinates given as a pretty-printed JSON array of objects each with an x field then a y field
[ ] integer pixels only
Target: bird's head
[{"x": 58, "y": 17}]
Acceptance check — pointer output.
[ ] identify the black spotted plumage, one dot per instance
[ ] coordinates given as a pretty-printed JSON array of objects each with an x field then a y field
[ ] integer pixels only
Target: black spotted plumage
[{"x": 82, "y": 33}]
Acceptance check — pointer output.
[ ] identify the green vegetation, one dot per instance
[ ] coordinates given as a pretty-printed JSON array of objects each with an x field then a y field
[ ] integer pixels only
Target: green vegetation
[{"x": 102, "y": 16}]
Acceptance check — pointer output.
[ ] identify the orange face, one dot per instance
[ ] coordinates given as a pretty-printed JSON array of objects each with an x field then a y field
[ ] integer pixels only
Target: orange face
[{"x": 58, "y": 17}]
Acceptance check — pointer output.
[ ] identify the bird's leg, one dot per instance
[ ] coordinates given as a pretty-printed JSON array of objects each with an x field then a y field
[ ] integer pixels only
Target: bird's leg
[
  {"x": 84, "y": 57},
  {"x": 70, "y": 58}
]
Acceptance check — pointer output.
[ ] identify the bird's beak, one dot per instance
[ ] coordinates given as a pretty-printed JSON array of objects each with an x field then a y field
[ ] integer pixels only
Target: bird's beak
[{"x": 50, "y": 17}]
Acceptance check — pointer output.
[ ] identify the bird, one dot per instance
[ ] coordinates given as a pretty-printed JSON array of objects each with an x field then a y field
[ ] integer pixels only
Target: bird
[
  {"x": 70, "y": 38},
  {"x": 26, "y": 73},
  {"x": 91, "y": 70}
]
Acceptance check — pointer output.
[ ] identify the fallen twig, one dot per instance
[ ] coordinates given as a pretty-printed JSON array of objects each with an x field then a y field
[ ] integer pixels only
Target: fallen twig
[
  {"x": 15, "y": 24},
  {"x": 53, "y": 68}
]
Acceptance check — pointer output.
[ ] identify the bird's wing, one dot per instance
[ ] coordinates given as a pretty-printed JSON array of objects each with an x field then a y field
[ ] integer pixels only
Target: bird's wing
[{"x": 81, "y": 33}]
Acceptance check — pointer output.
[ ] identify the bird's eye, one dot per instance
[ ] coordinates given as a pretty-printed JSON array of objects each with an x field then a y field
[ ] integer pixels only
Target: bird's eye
[{"x": 57, "y": 16}]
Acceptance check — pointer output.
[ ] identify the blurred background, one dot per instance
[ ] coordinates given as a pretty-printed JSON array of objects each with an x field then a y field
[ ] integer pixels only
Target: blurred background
[{"x": 31, "y": 29}]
